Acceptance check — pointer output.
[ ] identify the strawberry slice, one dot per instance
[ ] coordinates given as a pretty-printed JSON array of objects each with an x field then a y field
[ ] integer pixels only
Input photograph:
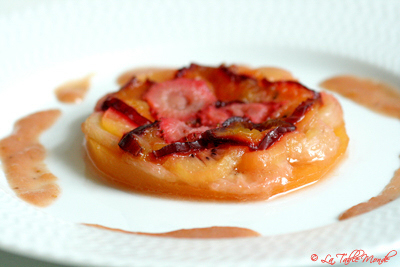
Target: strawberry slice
[
  {"x": 256, "y": 112},
  {"x": 225, "y": 84},
  {"x": 212, "y": 116},
  {"x": 226, "y": 108},
  {"x": 174, "y": 130},
  {"x": 230, "y": 86},
  {"x": 180, "y": 99}
]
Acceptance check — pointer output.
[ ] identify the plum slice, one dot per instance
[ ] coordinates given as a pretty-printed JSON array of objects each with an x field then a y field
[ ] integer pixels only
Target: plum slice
[
  {"x": 230, "y": 86},
  {"x": 274, "y": 135},
  {"x": 200, "y": 98},
  {"x": 128, "y": 111},
  {"x": 226, "y": 85},
  {"x": 235, "y": 131},
  {"x": 302, "y": 109},
  {"x": 241, "y": 131},
  {"x": 141, "y": 139}
]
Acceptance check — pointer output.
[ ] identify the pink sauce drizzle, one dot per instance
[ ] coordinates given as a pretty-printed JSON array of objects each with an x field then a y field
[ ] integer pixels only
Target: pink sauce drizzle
[
  {"x": 381, "y": 98},
  {"x": 74, "y": 91},
  {"x": 22, "y": 156},
  {"x": 208, "y": 232}
]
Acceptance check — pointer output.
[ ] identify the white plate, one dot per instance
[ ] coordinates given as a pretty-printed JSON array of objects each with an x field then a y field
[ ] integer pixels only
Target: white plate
[{"x": 47, "y": 45}]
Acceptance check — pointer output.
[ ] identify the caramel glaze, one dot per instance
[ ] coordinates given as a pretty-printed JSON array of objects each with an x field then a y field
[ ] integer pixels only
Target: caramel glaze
[
  {"x": 272, "y": 74},
  {"x": 22, "y": 156},
  {"x": 74, "y": 91},
  {"x": 161, "y": 74},
  {"x": 208, "y": 232},
  {"x": 381, "y": 98},
  {"x": 145, "y": 73}
]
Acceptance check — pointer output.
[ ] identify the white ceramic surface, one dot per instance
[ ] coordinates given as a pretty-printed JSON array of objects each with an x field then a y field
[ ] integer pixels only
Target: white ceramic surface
[{"x": 46, "y": 45}]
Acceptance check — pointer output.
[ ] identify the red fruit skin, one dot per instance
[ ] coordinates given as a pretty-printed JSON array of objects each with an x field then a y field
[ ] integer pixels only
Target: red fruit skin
[
  {"x": 190, "y": 100},
  {"x": 129, "y": 141},
  {"x": 128, "y": 111}
]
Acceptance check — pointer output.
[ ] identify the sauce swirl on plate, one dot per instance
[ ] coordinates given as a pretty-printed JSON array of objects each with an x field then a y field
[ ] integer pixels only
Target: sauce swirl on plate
[
  {"x": 22, "y": 156},
  {"x": 372, "y": 94},
  {"x": 207, "y": 232},
  {"x": 379, "y": 97}
]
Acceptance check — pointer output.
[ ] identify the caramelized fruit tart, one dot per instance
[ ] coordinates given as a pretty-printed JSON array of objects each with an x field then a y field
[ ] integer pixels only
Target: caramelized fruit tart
[{"x": 228, "y": 133}]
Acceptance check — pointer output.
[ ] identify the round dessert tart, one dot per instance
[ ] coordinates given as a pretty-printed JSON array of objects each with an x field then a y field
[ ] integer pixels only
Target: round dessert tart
[{"x": 229, "y": 133}]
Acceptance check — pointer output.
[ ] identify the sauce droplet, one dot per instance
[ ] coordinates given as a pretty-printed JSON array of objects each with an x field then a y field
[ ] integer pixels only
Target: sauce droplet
[
  {"x": 73, "y": 92},
  {"x": 22, "y": 156}
]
